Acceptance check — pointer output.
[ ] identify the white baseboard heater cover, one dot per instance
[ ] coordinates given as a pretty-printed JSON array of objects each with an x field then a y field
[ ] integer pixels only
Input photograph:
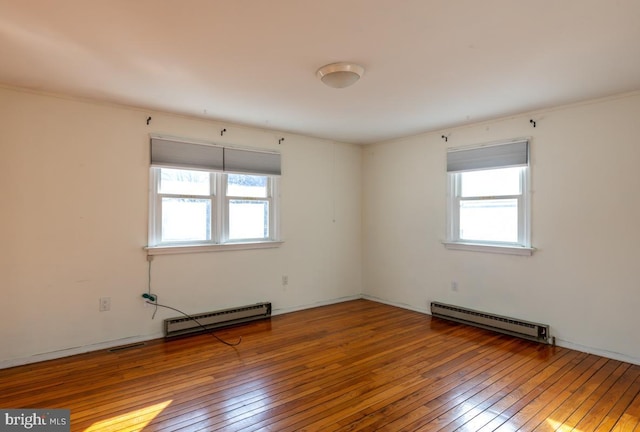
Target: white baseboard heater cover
[
  {"x": 511, "y": 326},
  {"x": 183, "y": 325}
]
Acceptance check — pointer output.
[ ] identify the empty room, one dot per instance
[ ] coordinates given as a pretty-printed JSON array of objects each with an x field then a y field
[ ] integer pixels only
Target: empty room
[{"x": 320, "y": 216}]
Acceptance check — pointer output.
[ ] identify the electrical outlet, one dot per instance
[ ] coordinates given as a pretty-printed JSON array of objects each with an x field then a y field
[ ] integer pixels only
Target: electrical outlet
[
  {"x": 105, "y": 304},
  {"x": 454, "y": 286},
  {"x": 285, "y": 280}
]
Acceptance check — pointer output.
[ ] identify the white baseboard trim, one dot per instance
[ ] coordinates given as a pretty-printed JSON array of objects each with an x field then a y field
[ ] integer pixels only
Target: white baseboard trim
[
  {"x": 20, "y": 361},
  {"x": 4, "y": 364},
  {"x": 396, "y": 304},
  {"x": 281, "y": 311},
  {"x": 599, "y": 352},
  {"x": 559, "y": 342}
]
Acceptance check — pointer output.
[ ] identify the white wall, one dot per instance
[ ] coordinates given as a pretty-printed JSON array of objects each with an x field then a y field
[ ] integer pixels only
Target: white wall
[
  {"x": 74, "y": 178},
  {"x": 584, "y": 278}
]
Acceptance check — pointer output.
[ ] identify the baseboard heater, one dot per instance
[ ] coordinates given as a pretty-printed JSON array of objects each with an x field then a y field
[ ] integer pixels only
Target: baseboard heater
[
  {"x": 511, "y": 326},
  {"x": 183, "y": 325}
]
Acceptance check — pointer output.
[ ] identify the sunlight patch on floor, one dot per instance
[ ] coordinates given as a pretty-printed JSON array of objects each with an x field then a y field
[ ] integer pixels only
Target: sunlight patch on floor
[
  {"x": 132, "y": 421},
  {"x": 559, "y": 427}
]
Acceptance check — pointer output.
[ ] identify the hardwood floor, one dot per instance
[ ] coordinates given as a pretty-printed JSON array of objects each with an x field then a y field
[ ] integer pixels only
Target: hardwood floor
[{"x": 353, "y": 366}]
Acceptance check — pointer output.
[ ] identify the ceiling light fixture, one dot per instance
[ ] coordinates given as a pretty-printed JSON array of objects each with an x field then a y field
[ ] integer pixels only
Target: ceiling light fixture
[{"x": 340, "y": 75}]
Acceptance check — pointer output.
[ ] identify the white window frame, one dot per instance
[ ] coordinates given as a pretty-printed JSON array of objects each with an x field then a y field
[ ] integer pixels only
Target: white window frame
[
  {"x": 224, "y": 215},
  {"x": 454, "y": 196},
  {"x": 219, "y": 223},
  {"x": 155, "y": 210}
]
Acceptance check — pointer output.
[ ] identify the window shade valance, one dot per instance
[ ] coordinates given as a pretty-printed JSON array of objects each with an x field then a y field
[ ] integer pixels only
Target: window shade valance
[
  {"x": 176, "y": 154},
  {"x": 251, "y": 162},
  {"x": 179, "y": 154},
  {"x": 505, "y": 155}
]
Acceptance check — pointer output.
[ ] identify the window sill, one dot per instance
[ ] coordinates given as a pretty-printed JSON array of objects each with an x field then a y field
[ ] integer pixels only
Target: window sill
[
  {"x": 476, "y": 247},
  {"x": 174, "y": 250}
]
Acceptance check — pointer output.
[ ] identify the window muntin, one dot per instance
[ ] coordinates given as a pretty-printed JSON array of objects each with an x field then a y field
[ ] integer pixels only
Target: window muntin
[{"x": 192, "y": 207}]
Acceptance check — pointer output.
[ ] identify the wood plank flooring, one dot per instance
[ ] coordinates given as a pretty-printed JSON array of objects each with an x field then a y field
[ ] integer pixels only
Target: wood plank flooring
[{"x": 353, "y": 366}]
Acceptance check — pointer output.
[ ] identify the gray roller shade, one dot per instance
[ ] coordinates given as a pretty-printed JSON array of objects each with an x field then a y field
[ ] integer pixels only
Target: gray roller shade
[
  {"x": 494, "y": 156},
  {"x": 167, "y": 153},
  {"x": 251, "y": 162}
]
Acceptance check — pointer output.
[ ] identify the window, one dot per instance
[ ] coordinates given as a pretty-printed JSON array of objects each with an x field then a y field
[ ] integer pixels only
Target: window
[
  {"x": 195, "y": 201},
  {"x": 489, "y": 197},
  {"x": 184, "y": 204},
  {"x": 248, "y": 207}
]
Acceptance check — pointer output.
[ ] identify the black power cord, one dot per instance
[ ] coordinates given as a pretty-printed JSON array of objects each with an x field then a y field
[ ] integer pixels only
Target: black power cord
[
  {"x": 152, "y": 299},
  {"x": 149, "y": 295},
  {"x": 155, "y": 303}
]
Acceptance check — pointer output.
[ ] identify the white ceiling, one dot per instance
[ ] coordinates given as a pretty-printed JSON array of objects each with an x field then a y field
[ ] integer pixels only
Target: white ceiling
[{"x": 430, "y": 64}]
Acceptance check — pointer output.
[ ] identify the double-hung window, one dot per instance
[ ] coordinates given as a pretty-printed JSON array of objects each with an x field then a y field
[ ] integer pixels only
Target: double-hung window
[
  {"x": 183, "y": 206},
  {"x": 488, "y": 199},
  {"x": 249, "y": 207},
  {"x": 205, "y": 195}
]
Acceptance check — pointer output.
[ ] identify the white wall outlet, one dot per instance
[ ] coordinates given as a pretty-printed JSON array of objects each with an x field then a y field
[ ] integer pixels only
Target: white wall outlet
[
  {"x": 454, "y": 286},
  {"x": 285, "y": 280},
  {"x": 105, "y": 304}
]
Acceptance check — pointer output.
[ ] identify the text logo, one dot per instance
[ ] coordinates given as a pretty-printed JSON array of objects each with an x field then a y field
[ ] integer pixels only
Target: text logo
[{"x": 37, "y": 420}]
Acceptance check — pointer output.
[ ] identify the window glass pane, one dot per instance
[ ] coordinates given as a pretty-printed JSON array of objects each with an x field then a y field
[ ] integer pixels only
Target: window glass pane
[
  {"x": 489, "y": 220},
  {"x": 186, "y": 219},
  {"x": 248, "y": 186},
  {"x": 497, "y": 182},
  {"x": 184, "y": 182},
  {"x": 248, "y": 219}
]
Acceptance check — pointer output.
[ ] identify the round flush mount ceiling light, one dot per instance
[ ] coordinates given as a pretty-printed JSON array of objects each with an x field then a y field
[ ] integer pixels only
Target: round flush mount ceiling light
[{"x": 340, "y": 75}]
